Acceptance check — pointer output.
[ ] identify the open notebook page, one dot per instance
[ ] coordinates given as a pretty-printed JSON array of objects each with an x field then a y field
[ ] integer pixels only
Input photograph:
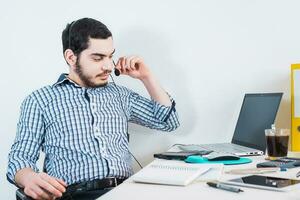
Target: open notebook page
[{"x": 169, "y": 172}]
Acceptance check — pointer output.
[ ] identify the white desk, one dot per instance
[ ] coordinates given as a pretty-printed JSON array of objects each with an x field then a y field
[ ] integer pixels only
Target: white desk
[{"x": 200, "y": 191}]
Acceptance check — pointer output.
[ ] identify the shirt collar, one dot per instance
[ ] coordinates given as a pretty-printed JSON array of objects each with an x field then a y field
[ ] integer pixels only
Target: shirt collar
[{"x": 63, "y": 79}]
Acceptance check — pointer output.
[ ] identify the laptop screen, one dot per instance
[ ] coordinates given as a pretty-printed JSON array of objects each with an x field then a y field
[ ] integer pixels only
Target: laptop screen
[{"x": 258, "y": 113}]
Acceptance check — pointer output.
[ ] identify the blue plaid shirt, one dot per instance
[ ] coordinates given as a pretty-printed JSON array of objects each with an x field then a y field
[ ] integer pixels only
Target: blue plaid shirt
[{"x": 83, "y": 131}]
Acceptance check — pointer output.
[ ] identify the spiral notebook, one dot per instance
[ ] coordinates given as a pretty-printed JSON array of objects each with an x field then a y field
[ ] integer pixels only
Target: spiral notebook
[{"x": 170, "y": 173}]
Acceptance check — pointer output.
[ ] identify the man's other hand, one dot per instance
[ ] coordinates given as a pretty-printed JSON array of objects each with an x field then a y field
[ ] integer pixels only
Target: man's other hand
[{"x": 40, "y": 185}]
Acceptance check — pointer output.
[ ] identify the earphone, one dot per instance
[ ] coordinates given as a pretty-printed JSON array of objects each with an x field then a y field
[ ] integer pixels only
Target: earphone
[{"x": 117, "y": 72}]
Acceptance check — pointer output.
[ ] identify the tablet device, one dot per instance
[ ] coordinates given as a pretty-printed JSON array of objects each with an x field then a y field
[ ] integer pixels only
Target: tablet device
[{"x": 266, "y": 182}]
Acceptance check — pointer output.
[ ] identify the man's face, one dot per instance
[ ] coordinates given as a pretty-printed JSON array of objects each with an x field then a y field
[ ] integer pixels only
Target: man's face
[{"x": 95, "y": 64}]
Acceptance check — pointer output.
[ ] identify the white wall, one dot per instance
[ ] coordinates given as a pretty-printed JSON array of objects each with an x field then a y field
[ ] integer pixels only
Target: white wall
[{"x": 207, "y": 54}]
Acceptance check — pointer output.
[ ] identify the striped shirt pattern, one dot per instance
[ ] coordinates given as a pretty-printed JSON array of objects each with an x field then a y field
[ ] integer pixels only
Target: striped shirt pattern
[{"x": 83, "y": 131}]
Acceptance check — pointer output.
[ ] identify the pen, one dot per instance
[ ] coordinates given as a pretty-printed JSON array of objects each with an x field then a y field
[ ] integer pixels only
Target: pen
[
  {"x": 253, "y": 170},
  {"x": 224, "y": 187},
  {"x": 298, "y": 174}
]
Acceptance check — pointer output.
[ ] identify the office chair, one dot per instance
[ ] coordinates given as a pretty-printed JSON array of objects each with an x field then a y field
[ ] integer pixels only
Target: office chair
[{"x": 20, "y": 195}]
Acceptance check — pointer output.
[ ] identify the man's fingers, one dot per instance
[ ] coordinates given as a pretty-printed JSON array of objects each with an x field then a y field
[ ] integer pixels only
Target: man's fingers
[
  {"x": 50, "y": 188},
  {"x": 133, "y": 61},
  {"x": 123, "y": 61},
  {"x": 61, "y": 182},
  {"x": 128, "y": 62},
  {"x": 128, "y": 65},
  {"x": 54, "y": 180},
  {"x": 52, "y": 185},
  {"x": 41, "y": 193},
  {"x": 116, "y": 66},
  {"x": 119, "y": 64},
  {"x": 124, "y": 65},
  {"x": 31, "y": 193}
]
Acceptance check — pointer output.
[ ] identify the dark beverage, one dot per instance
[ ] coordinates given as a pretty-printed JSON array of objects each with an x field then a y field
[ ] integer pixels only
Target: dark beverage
[{"x": 277, "y": 146}]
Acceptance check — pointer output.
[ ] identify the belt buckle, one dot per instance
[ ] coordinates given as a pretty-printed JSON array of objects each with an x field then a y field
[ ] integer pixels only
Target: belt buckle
[
  {"x": 90, "y": 185},
  {"x": 115, "y": 182}
]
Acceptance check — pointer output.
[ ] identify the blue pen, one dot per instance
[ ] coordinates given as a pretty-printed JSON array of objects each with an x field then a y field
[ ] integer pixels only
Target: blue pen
[
  {"x": 283, "y": 169},
  {"x": 224, "y": 187}
]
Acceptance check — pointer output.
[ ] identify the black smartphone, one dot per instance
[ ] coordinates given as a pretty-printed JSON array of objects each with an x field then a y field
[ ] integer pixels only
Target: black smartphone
[
  {"x": 281, "y": 162},
  {"x": 181, "y": 155}
]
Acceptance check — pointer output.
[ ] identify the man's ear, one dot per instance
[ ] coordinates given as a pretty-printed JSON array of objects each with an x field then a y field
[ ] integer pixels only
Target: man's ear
[{"x": 70, "y": 57}]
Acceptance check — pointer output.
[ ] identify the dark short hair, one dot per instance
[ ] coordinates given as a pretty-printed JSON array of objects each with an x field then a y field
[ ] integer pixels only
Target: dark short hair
[{"x": 76, "y": 35}]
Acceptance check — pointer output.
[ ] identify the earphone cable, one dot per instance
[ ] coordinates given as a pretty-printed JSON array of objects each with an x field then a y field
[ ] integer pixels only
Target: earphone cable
[{"x": 119, "y": 94}]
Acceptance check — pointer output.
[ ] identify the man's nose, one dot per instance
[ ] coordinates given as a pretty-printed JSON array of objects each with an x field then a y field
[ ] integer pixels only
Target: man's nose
[{"x": 108, "y": 66}]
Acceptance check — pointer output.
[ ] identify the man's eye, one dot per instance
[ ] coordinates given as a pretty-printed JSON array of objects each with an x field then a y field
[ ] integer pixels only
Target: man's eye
[{"x": 97, "y": 59}]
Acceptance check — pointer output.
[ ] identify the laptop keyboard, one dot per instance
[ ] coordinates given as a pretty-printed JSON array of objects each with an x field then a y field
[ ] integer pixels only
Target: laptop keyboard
[
  {"x": 217, "y": 148},
  {"x": 224, "y": 148}
]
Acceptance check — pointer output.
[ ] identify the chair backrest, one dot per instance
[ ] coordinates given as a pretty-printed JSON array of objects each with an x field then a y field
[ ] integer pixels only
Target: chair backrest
[{"x": 20, "y": 195}]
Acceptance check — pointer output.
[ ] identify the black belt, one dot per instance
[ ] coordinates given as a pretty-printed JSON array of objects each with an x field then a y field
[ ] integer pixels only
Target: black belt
[{"x": 97, "y": 184}]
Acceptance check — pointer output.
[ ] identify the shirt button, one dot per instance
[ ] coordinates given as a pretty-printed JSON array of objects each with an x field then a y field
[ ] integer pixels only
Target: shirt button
[
  {"x": 93, "y": 107},
  {"x": 103, "y": 153},
  {"x": 97, "y": 132}
]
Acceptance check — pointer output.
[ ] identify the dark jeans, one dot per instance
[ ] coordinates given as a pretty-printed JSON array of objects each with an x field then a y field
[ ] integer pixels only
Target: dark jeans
[{"x": 86, "y": 195}]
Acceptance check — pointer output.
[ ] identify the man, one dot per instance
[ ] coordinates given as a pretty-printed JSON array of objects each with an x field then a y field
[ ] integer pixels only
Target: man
[{"x": 81, "y": 121}]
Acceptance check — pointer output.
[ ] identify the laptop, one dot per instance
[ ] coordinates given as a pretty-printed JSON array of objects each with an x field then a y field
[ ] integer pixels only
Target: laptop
[{"x": 258, "y": 112}]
